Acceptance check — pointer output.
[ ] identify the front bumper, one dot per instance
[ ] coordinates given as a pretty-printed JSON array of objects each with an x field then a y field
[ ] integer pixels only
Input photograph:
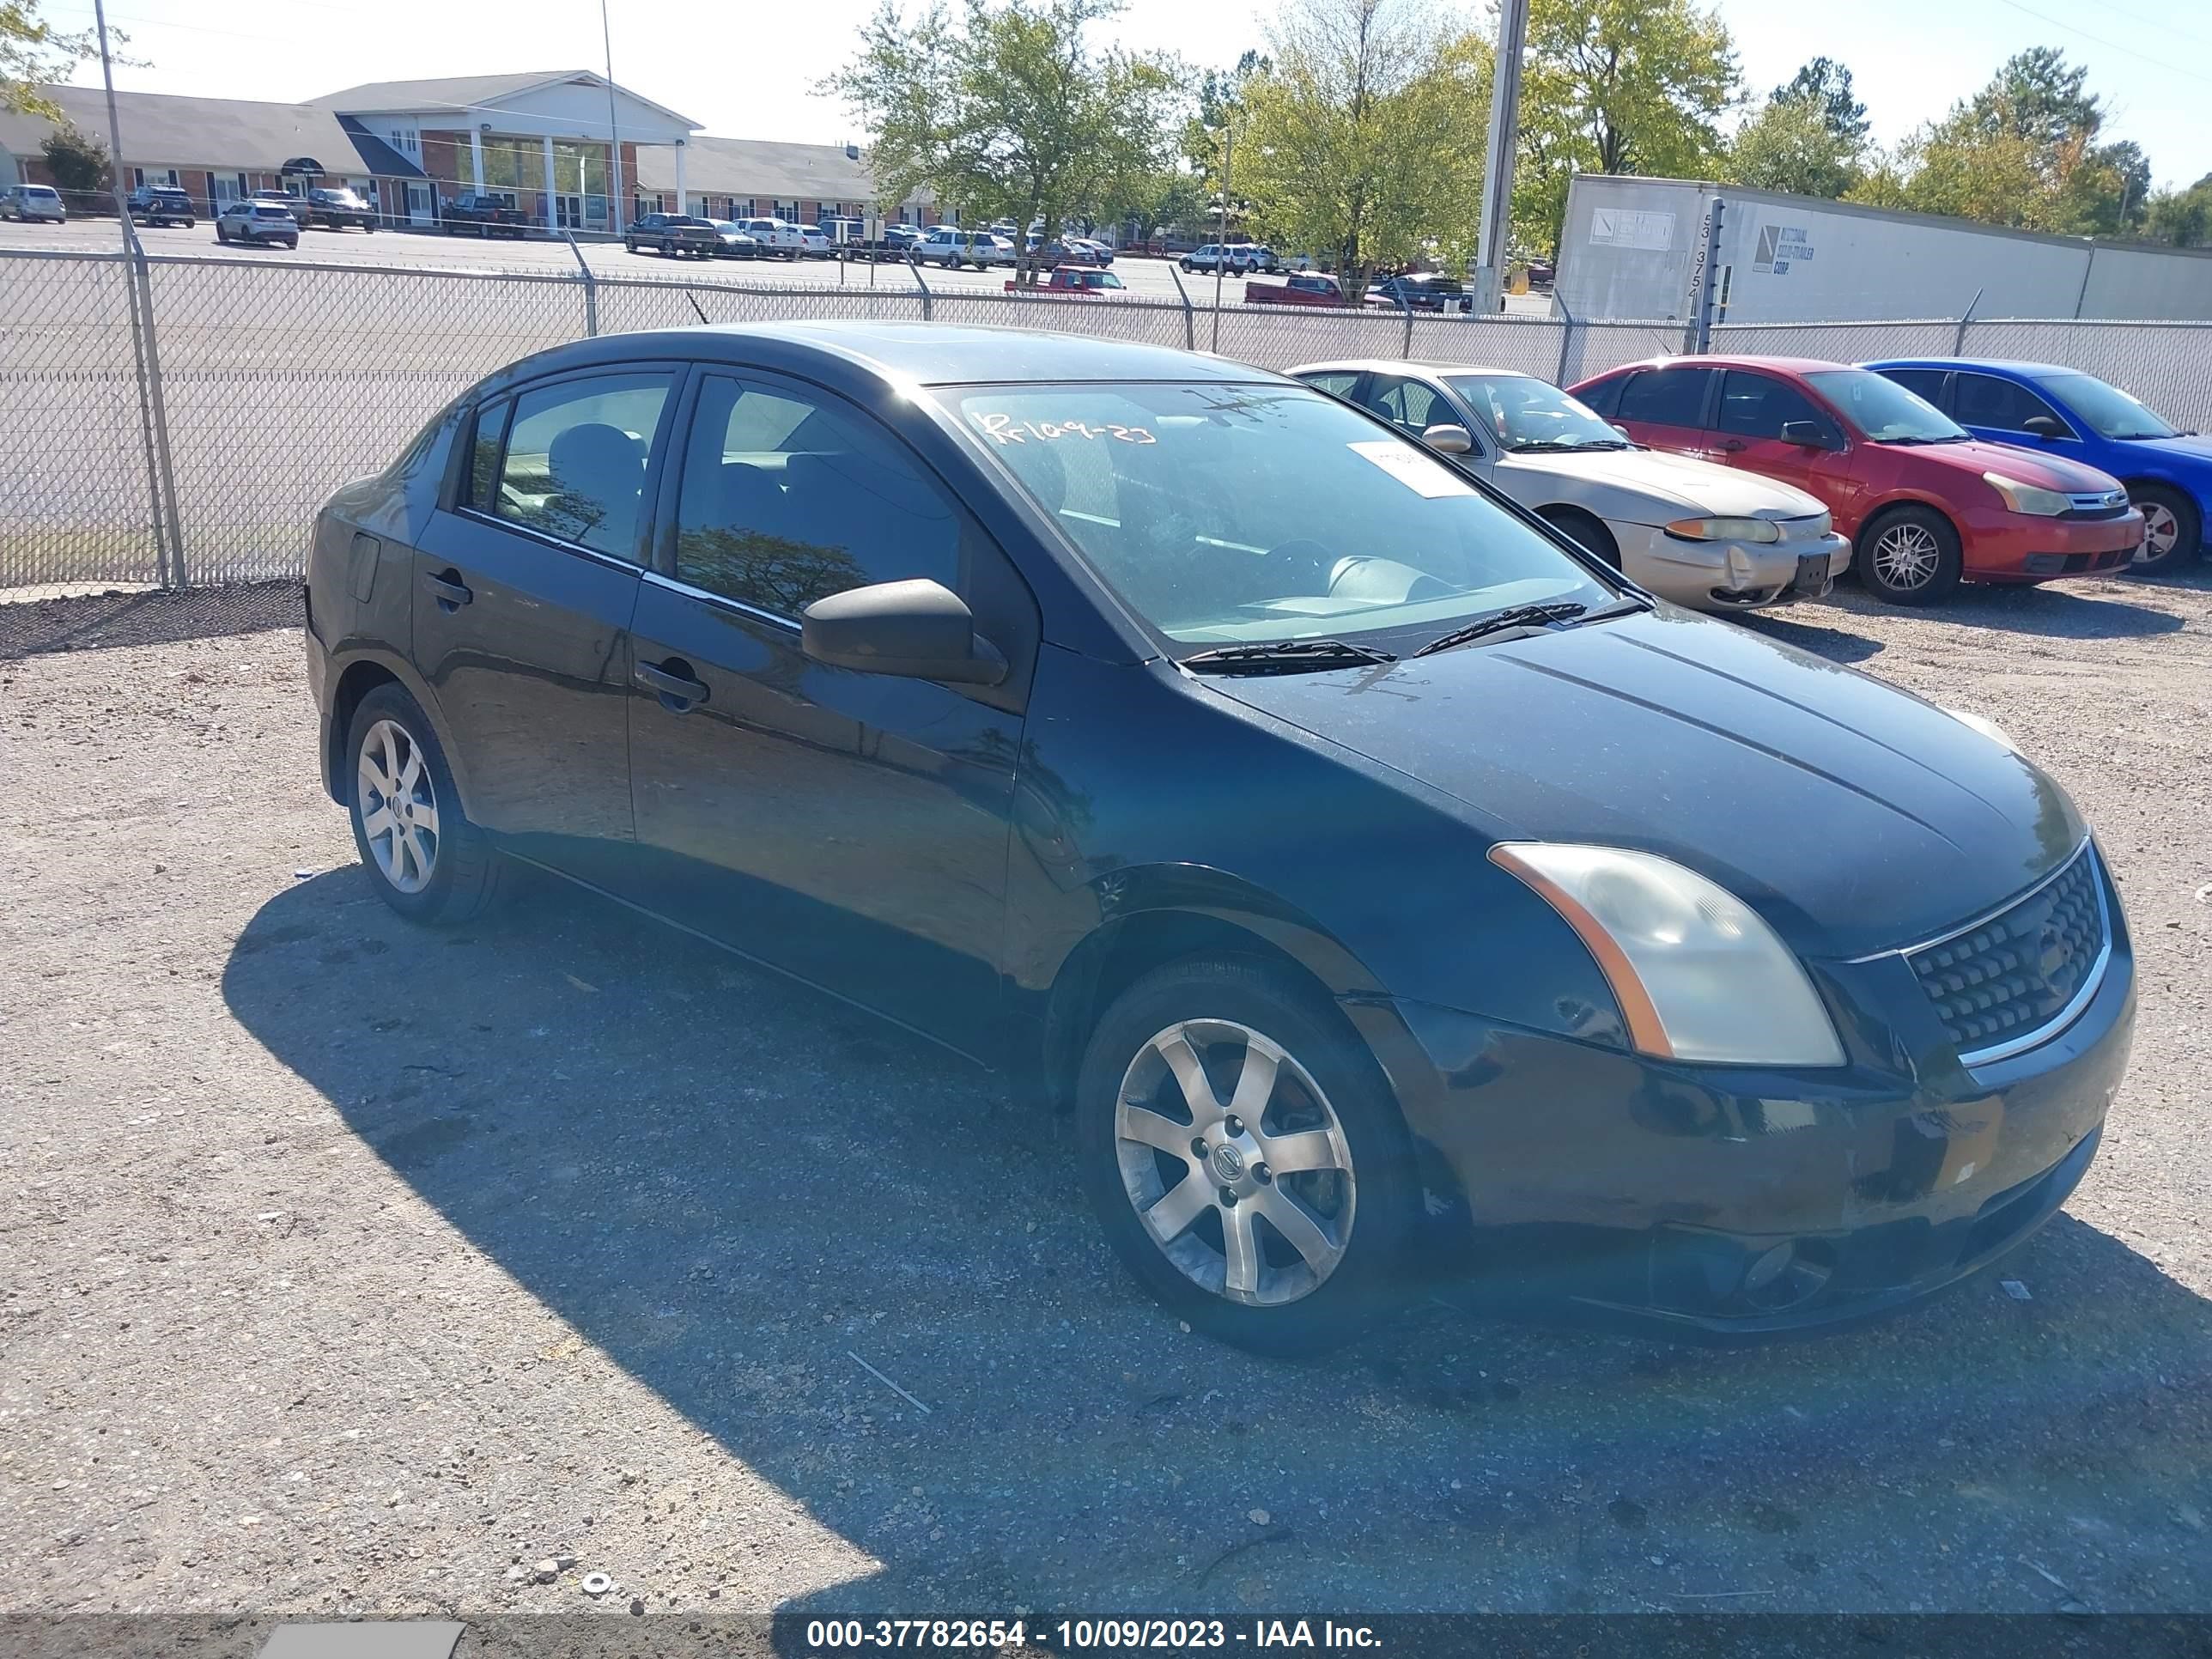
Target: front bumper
[
  {"x": 1725, "y": 576},
  {"x": 1726, "y": 1202},
  {"x": 2019, "y": 547}
]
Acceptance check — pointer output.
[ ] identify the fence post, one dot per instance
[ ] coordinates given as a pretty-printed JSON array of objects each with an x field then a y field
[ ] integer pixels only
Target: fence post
[
  {"x": 1189, "y": 319},
  {"x": 164, "y": 478},
  {"x": 1567, "y": 340},
  {"x": 1405, "y": 305},
  {"x": 590, "y": 288},
  {"x": 1959, "y": 339},
  {"x": 914, "y": 269}
]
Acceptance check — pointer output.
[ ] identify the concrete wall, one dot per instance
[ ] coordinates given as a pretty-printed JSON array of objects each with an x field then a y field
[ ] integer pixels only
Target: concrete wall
[{"x": 1629, "y": 246}]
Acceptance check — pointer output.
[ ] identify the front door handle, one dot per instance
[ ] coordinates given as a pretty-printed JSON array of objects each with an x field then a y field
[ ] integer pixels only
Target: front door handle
[
  {"x": 672, "y": 682},
  {"x": 1733, "y": 446},
  {"x": 451, "y": 591}
]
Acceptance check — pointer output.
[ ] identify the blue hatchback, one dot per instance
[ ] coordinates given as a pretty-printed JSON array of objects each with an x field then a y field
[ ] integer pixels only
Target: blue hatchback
[{"x": 2168, "y": 472}]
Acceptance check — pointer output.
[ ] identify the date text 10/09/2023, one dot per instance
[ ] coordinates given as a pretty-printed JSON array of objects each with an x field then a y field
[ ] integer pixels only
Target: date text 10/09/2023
[{"x": 1085, "y": 1635}]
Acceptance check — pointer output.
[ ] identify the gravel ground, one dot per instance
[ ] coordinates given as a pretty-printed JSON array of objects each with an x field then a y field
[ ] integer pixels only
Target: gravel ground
[{"x": 349, "y": 1269}]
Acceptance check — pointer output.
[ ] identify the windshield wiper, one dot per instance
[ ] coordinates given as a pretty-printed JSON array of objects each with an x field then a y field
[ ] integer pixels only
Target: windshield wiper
[
  {"x": 1285, "y": 657},
  {"x": 1514, "y": 615}
]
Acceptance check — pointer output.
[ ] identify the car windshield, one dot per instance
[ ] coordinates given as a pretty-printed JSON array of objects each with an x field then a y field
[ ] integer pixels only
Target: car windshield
[
  {"x": 1884, "y": 411},
  {"x": 2108, "y": 412},
  {"x": 1522, "y": 412},
  {"x": 1264, "y": 513}
]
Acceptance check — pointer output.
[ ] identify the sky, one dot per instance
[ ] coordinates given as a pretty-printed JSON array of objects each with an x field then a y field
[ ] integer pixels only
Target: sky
[{"x": 745, "y": 68}]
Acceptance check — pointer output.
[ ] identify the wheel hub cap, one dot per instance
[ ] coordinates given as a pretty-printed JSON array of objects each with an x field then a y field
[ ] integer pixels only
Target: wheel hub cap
[{"x": 398, "y": 806}]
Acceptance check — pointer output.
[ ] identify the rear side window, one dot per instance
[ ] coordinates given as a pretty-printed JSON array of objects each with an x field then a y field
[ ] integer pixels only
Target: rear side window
[
  {"x": 1666, "y": 397},
  {"x": 574, "y": 460},
  {"x": 789, "y": 497},
  {"x": 1603, "y": 398},
  {"x": 1336, "y": 383},
  {"x": 1409, "y": 405}
]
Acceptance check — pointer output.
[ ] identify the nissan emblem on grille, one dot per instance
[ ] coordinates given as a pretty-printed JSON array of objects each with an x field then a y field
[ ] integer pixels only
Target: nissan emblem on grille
[{"x": 2020, "y": 969}]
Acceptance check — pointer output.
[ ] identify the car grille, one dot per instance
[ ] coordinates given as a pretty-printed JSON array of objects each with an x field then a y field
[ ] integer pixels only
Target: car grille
[
  {"x": 2098, "y": 504},
  {"x": 2001, "y": 983}
]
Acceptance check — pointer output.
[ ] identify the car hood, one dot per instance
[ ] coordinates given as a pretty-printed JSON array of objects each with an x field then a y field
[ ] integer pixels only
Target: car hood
[
  {"x": 2195, "y": 449},
  {"x": 1854, "y": 817},
  {"x": 2033, "y": 466},
  {"x": 1669, "y": 485}
]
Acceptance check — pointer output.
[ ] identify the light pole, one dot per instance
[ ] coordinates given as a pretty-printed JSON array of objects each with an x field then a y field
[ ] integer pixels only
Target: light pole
[
  {"x": 1221, "y": 241},
  {"x": 1497, "y": 165},
  {"x": 614, "y": 132}
]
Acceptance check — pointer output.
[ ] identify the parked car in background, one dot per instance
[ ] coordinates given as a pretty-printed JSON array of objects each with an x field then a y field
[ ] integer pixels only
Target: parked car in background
[
  {"x": 2047, "y": 409},
  {"x": 487, "y": 212},
  {"x": 252, "y": 223},
  {"x": 1233, "y": 259},
  {"x": 814, "y": 242},
  {"x": 1264, "y": 259},
  {"x": 335, "y": 209},
  {"x": 294, "y": 204},
  {"x": 1427, "y": 290},
  {"x": 1102, "y": 253},
  {"x": 1051, "y": 255},
  {"x": 734, "y": 241},
  {"x": 1300, "y": 287},
  {"x": 776, "y": 237},
  {"x": 33, "y": 204},
  {"x": 1082, "y": 282},
  {"x": 677, "y": 236},
  {"x": 1926, "y": 503},
  {"x": 1708, "y": 536},
  {"x": 161, "y": 205},
  {"x": 1680, "y": 969},
  {"x": 953, "y": 249}
]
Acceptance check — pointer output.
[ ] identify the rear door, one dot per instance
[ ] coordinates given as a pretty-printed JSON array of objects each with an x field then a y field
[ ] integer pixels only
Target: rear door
[
  {"x": 1669, "y": 407},
  {"x": 1753, "y": 408},
  {"x": 849, "y": 828},
  {"x": 522, "y": 603}
]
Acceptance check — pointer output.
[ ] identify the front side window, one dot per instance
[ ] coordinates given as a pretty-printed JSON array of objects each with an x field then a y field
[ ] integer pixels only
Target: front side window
[
  {"x": 789, "y": 497},
  {"x": 1260, "y": 513},
  {"x": 2106, "y": 410},
  {"x": 576, "y": 458},
  {"x": 1667, "y": 396},
  {"x": 1926, "y": 383},
  {"x": 1524, "y": 413},
  {"x": 1759, "y": 406},
  {"x": 1985, "y": 400},
  {"x": 1883, "y": 410},
  {"x": 1409, "y": 405}
]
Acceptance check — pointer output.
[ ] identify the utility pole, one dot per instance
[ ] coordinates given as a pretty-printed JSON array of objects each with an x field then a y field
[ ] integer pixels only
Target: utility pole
[
  {"x": 1221, "y": 241},
  {"x": 613, "y": 131},
  {"x": 1497, "y": 225}
]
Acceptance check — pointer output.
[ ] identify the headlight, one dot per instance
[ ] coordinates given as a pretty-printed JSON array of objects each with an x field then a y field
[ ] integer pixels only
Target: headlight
[
  {"x": 1697, "y": 974},
  {"x": 1988, "y": 728},
  {"x": 1725, "y": 530},
  {"x": 2028, "y": 497}
]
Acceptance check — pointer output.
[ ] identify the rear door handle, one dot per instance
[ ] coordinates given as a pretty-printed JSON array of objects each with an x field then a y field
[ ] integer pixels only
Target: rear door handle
[
  {"x": 450, "y": 589},
  {"x": 672, "y": 683}
]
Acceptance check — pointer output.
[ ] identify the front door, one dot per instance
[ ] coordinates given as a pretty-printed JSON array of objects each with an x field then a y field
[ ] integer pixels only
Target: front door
[
  {"x": 522, "y": 606},
  {"x": 421, "y": 204},
  {"x": 1753, "y": 410},
  {"x": 851, "y": 829}
]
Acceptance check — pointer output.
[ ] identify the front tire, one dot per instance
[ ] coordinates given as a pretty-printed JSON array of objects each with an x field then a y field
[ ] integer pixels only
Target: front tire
[
  {"x": 1910, "y": 555},
  {"x": 2173, "y": 531},
  {"x": 1245, "y": 1157},
  {"x": 421, "y": 855}
]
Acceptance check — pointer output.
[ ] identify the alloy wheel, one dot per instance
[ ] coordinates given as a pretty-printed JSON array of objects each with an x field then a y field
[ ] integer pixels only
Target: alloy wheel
[
  {"x": 2161, "y": 529},
  {"x": 1235, "y": 1162},
  {"x": 398, "y": 806},
  {"x": 1906, "y": 556}
]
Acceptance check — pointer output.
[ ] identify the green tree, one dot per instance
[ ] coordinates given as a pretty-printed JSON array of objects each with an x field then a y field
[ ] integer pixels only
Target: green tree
[
  {"x": 2182, "y": 218},
  {"x": 78, "y": 161},
  {"x": 1617, "y": 85},
  {"x": 33, "y": 51},
  {"x": 1789, "y": 145},
  {"x": 1827, "y": 86},
  {"x": 1364, "y": 138},
  {"x": 1009, "y": 108}
]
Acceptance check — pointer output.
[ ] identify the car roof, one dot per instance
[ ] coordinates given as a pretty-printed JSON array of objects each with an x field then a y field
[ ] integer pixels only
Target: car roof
[
  {"x": 1400, "y": 365},
  {"x": 1729, "y": 359},
  {"x": 1996, "y": 365},
  {"x": 927, "y": 353}
]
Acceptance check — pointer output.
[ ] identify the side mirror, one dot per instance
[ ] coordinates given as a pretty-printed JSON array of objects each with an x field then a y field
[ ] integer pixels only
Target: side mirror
[
  {"x": 1623, "y": 430},
  {"x": 2045, "y": 426},
  {"x": 1807, "y": 433},
  {"x": 917, "y": 631},
  {"x": 1448, "y": 439}
]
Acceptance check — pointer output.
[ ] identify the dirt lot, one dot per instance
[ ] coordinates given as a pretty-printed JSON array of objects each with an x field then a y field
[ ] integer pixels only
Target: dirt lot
[{"x": 346, "y": 1268}]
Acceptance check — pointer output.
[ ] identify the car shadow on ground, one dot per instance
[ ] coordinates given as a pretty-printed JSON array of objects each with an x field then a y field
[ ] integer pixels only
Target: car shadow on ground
[
  {"x": 2103, "y": 611},
  {"x": 739, "y": 1190}
]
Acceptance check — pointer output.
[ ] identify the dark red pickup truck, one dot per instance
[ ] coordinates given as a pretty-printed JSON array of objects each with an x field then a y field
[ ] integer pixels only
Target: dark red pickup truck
[
  {"x": 1303, "y": 287},
  {"x": 1074, "y": 280}
]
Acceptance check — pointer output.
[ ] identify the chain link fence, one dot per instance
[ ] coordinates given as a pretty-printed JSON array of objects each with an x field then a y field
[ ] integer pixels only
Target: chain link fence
[{"x": 173, "y": 423}]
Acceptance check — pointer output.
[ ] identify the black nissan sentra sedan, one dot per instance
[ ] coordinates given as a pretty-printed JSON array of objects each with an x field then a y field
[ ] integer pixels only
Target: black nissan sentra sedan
[{"x": 1341, "y": 846}]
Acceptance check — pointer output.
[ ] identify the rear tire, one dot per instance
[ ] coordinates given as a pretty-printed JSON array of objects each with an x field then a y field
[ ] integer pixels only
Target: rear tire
[
  {"x": 1587, "y": 530},
  {"x": 1909, "y": 555},
  {"x": 2172, "y": 517},
  {"x": 418, "y": 848},
  {"x": 1316, "y": 1250}
]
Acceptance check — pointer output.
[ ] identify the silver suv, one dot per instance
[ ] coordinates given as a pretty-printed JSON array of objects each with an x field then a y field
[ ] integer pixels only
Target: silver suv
[
  {"x": 30, "y": 203},
  {"x": 955, "y": 248},
  {"x": 253, "y": 222}
]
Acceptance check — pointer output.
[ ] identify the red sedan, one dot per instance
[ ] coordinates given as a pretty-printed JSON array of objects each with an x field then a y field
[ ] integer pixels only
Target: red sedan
[{"x": 1926, "y": 504}]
